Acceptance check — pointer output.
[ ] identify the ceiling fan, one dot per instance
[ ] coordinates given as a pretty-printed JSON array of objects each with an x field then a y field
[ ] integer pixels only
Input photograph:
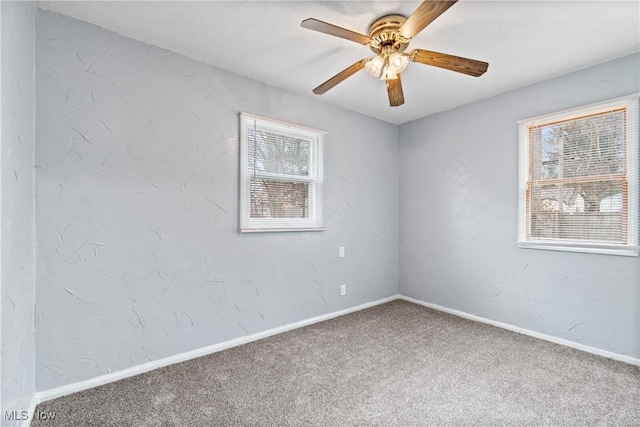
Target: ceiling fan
[{"x": 388, "y": 38}]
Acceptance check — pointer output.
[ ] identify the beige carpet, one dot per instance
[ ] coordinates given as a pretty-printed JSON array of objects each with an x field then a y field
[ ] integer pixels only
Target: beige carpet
[{"x": 395, "y": 364}]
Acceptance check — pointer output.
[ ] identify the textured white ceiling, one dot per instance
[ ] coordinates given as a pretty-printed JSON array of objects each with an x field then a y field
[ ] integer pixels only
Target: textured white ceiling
[{"x": 523, "y": 41}]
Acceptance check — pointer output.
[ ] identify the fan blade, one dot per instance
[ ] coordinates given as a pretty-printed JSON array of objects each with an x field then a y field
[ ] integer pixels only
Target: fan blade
[
  {"x": 333, "y": 30},
  {"x": 449, "y": 62},
  {"x": 394, "y": 89},
  {"x": 424, "y": 15},
  {"x": 342, "y": 75}
]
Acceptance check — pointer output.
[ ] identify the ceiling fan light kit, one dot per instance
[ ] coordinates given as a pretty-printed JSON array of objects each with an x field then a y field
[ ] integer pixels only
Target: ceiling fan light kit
[{"x": 389, "y": 36}]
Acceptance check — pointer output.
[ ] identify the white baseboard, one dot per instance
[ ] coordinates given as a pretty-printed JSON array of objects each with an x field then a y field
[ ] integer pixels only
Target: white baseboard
[
  {"x": 53, "y": 393},
  {"x": 33, "y": 402},
  {"x": 556, "y": 340}
]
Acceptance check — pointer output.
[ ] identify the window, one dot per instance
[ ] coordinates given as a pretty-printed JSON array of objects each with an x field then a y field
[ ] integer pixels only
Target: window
[
  {"x": 579, "y": 179},
  {"x": 281, "y": 176}
]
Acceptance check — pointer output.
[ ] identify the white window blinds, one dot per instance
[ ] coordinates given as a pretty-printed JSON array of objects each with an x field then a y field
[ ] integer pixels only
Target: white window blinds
[{"x": 579, "y": 169}]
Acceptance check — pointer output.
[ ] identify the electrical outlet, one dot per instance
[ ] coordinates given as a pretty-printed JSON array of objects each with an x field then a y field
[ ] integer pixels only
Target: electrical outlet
[
  {"x": 343, "y": 290},
  {"x": 341, "y": 251}
]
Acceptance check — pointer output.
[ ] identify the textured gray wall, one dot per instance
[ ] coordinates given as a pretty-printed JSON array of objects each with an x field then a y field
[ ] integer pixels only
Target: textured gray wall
[
  {"x": 17, "y": 233},
  {"x": 139, "y": 256},
  {"x": 458, "y": 216}
]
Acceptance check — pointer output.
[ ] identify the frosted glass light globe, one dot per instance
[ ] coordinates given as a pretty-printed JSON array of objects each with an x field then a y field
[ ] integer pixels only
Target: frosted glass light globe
[
  {"x": 374, "y": 66},
  {"x": 398, "y": 62}
]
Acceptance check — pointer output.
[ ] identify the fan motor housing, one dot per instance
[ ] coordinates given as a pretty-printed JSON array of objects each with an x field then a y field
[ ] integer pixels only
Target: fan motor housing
[{"x": 384, "y": 32}]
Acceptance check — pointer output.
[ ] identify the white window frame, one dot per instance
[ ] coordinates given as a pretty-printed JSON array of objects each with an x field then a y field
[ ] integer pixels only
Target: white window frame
[
  {"x": 316, "y": 219},
  {"x": 631, "y": 247}
]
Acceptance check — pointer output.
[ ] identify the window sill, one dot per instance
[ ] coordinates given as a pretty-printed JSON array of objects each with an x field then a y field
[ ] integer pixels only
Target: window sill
[
  {"x": 280, "y": 230},
  {"x": 582, "y": 248}
]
